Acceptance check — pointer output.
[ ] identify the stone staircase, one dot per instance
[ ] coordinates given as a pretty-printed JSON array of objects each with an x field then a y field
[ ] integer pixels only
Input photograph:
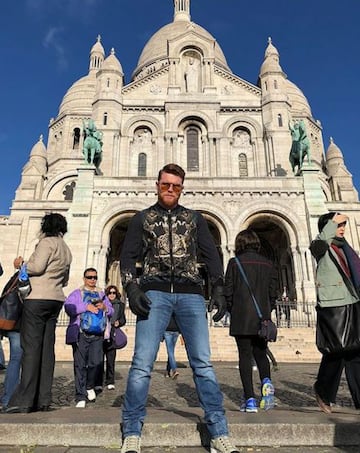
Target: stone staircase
[{"x": 295, "y": 344}]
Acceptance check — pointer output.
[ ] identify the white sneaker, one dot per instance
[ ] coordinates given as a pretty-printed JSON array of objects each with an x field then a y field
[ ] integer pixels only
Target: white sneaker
[
  {"x": 91, "y": 395},
  {"x": 81, "y": 404},
  {"x": 222, "y": 444},
  {"x": 111, "y": 387},
  {"x": 131, "y": 444}
]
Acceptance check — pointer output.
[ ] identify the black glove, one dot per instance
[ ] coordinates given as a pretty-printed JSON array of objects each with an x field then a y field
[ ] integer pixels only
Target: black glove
[
  {"x": 138, "y": 302},
  {"x": 218, "y": 300}
]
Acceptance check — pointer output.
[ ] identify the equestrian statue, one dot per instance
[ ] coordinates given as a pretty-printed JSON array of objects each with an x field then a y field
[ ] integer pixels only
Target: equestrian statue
[
  {"x": 92, "y": 148},
  {"x": 300, "y": 146}
]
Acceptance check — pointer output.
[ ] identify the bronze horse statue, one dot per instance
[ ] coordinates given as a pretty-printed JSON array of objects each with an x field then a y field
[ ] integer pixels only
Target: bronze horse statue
[
  {"x": 300, "y": 146},
  {"x": 92, "y": 148}
]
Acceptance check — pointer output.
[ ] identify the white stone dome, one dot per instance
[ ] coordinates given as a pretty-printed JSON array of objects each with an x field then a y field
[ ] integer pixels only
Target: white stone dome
[
  {"x": 80, "y": 95},
  {"x": 111, "y": 63},
  {"x": 156, "y": 49},
  {"x": 299, "y": 103}
]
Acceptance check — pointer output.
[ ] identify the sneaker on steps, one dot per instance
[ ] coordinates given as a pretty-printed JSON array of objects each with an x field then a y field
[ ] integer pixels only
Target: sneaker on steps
[
  {"x": 250, "y": 405},
  {"x": 80, "y": 404},
  {"x": 222, "y": 444},
  {"x": 131, "y": 444},
  {"x": 91, "y": 395},
  {"x": 268, "y": 395}
]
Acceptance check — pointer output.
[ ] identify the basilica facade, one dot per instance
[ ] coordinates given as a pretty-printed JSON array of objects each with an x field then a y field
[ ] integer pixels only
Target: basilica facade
[{"x": 183, "y": 105}]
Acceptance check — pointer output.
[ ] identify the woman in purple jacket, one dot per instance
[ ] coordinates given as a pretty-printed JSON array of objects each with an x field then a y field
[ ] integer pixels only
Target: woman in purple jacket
[{"x": 87, "y": 345}]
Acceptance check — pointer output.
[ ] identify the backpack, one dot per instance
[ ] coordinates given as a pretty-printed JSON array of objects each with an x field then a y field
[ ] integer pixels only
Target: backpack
[{"x": 93, "y": 323}]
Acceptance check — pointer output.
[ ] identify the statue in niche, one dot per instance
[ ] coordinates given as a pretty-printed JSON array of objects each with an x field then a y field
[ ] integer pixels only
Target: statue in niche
[
  {"x": 92, "y": 148},
  {"x": 241, "y": 139},
  {"x": 142, "y": 136},
  {"x": 300, "y": 146},
  {"x": 192, "y": 75}
]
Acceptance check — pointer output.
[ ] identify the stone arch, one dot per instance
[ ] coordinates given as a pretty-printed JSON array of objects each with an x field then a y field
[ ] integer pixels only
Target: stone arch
[
  {"x": 192, "y": 114},
  {"x": 142, "y": 120},
  {"x": 55, "y": 187},
  {"x": 252, "y": 125},
  {"x": 282, "y": 241}
]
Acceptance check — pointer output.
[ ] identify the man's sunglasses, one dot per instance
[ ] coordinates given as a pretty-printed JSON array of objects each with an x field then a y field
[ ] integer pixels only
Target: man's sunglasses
[
  {"x": 164, "y": 186},
  {"x": 91, "y": 277}
]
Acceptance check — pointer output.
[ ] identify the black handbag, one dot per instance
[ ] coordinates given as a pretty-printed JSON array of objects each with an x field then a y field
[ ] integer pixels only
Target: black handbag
[
  {"x": 267, "y": 330},
  {"x": 10, "y": 304},
  {"x": 338, "y": 328}
]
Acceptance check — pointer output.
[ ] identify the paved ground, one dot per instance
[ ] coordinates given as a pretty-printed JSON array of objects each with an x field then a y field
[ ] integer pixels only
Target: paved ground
[
  {"x": 180, "y": 450},
  {"x": 293, "y": 384}
]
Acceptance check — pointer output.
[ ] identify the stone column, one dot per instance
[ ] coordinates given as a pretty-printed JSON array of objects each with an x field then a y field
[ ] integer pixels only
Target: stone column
[{"x": 79, "y": 223}]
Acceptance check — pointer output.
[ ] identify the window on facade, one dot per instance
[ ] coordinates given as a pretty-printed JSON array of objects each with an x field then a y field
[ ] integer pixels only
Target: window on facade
[
  {"x": 243, "y": 167},
  {"x": 105, "y": 118},
  {"x": 142, "y": 164},
  {"x": 275, "y": 84},
  {"x": 192, "y": 141},
  {"x": 76, "y": 141},
  {"x": 68, "y": 192},
  {"x": 280, "y": 120}
]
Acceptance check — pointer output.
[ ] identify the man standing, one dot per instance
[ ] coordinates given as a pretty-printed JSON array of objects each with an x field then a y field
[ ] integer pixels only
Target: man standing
[{"x": 166, "y": 238}]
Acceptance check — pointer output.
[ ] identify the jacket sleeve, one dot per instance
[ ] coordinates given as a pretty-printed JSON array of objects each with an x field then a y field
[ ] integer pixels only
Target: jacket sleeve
[
  {"x": 131, "y": 250},
  {"x": 121, "y": 315},
  {"x": 209, "y": 252},
  {"x": 108, "y": 304},
  {"x": 229, "y": 284},
  {"x": 320, "y": 245},
  {"x": 74, "y": 304},
  {"x": 38, "y": 261}
]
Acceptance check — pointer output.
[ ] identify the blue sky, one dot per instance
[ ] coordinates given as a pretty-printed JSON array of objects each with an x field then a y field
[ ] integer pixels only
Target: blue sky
[{"x": 45, "y": 48}]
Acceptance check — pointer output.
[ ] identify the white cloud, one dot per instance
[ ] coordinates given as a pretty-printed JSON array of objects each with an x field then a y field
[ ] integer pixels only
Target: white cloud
[{"x": 52, "y": 41}]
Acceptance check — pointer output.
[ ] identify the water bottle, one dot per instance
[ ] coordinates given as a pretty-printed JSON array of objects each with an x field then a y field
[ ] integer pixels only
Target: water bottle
[{"x": 24, "y": 286}]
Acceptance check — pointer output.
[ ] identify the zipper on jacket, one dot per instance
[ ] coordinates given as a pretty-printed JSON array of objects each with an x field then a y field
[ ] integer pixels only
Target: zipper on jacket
[{"x": 171, "y": 253}]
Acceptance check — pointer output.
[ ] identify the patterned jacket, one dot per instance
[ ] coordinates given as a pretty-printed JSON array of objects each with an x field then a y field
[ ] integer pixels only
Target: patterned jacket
[{"x": 169, "y": 244}]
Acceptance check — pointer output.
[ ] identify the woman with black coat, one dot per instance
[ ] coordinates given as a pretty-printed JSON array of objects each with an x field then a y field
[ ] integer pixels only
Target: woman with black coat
[
  {"x": 244, "y": 320},
  {"x": 117, "y": 320}
]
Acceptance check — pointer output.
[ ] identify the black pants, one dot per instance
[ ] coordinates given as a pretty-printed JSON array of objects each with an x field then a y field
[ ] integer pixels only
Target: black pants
[
  {"x": 110, "y": 354},
  {"x": 249, "y": 347},
  {"x": 37, "y": 337},
  {"x": 329, "y": 375},
  {"x": 88, "y": 364}
]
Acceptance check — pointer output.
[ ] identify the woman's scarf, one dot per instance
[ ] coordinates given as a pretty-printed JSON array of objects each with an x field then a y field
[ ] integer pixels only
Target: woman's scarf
[
  {"x": 351, "y": 266},
  {"x": 354, "y": 265}
]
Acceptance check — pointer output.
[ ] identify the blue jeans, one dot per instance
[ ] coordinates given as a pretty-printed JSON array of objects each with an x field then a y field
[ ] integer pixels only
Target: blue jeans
[
  {"x": 12, "y": 376},
  {"x": 170, "y": 342},
  {"x": 190, "y": 314}
]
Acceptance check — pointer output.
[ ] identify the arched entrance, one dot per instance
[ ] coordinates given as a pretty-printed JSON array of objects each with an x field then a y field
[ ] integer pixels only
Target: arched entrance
[{"x": 275, "y": 245}]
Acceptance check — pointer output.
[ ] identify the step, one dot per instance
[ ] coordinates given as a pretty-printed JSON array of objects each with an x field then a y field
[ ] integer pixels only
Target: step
[{"x": 98, "y": 427}]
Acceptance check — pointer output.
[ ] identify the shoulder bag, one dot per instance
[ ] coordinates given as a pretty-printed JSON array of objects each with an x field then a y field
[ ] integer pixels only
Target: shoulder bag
[
  {"x": 338, "y": 328},
  {"x": 268, "y": 330},
  {"x": 118, "y": 337},
  {"x": 10, "y": 304}
]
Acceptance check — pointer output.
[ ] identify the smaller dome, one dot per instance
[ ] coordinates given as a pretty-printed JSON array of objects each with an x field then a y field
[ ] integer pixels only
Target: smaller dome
[
  {"x": 111, "y": 63},
  {"x": 271, "y": 50},
  {"x": 39, "y": 149},
  {"x": 299, "y": 103},
  {"x": 333, "y": 152},
  {"x": 97, "y": 47},
  {"x": 272, "y": 60}
]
